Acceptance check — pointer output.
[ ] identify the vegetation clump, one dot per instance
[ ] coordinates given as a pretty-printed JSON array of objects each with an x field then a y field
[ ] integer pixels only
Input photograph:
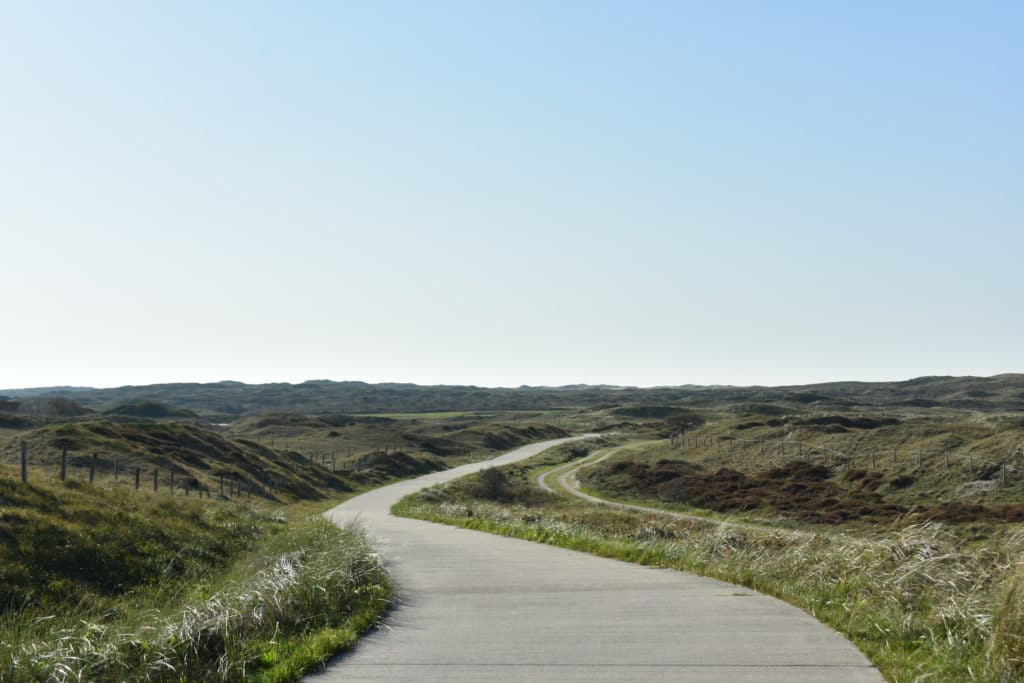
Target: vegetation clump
[{"x": 150, "y": 409}]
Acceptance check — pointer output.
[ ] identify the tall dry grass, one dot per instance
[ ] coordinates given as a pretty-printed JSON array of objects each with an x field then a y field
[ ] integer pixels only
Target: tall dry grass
[{"x": 320, "y": 577}]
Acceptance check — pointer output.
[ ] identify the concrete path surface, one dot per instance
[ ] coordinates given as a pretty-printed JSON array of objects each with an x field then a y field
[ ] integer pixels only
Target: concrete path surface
[{"x": 480, "y": 607}]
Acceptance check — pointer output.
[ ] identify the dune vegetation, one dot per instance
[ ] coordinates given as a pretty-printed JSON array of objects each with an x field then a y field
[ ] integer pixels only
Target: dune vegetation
[{"x": 106, "y": 584}]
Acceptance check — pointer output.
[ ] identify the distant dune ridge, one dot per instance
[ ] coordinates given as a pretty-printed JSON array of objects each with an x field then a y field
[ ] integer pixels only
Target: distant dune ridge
[{"x": 998, "y": 393}]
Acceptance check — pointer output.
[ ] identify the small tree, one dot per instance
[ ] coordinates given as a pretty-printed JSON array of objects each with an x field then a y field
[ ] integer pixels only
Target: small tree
[{"x": 493, "y": 485}]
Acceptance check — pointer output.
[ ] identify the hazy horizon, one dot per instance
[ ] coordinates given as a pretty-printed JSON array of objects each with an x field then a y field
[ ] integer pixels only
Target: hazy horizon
[
  {"x": 489, "y": 386},
  {"x": 500, "y": 194}
]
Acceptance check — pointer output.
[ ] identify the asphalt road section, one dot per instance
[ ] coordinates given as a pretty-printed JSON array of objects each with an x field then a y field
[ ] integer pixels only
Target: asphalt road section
[{"x": 479, "y": 607}]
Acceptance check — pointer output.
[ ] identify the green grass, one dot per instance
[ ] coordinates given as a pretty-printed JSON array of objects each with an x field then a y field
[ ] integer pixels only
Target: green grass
[
  {"x": 436, "y": 415},
  {"x": 921, "y": 601},
  {"x": 110, "y": 585},
  {"x": 451, "y": 414}
]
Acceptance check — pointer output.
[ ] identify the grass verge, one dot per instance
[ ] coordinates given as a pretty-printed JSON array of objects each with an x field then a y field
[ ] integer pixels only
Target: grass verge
[{"x": 158, "y": 589}]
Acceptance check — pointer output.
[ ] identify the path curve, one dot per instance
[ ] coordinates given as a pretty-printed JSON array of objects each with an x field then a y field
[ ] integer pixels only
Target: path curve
[
  {"x": 481, "y": 607},
  {"x": 568, "y": 483}
]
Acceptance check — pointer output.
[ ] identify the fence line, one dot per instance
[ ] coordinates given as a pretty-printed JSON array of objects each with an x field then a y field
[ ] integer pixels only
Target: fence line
[{"x": 237, "y": 484}]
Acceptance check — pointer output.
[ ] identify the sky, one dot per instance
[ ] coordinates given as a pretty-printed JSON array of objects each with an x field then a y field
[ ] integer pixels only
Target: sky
[{"x": 506, "y": 193}]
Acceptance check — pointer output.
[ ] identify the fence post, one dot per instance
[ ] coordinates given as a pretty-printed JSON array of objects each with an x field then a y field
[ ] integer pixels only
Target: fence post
[
  {"x": 872, "y": 460},
  {"x": 138, "y": 477},
  {"x": 24, "y": 461},
  {"x": 222, "y": 483},
  {"x": 970, "y": 462},
  {"x": 945, "y": 455},
  {"x": 918, "y": 458},
  {"x": 156, "y": 480},
  {"x": 894, "y": 456},
  {"x": 64, "y": 463},
  {"x": 92, "y": 468},
  {"x": 1002, "y": 466}
]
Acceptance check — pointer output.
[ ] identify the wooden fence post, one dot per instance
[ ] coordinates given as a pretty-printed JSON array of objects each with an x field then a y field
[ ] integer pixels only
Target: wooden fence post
[
  {"x": 92, "y": 468},
  {"x": 156, "y": 480},
  {"x": 24, "y": 461},
  {"x": 894, "y": 456},
  {"x": 918, "y": 458},
  {"x": 64, "y": 463},
  {"x": 222, "y": 484},
  {"x": 872, "y": 460},
  {"x": 970, "y": 462},
  {"x": 138, "y": 477},
  {"x": 1002, "y": 466}
]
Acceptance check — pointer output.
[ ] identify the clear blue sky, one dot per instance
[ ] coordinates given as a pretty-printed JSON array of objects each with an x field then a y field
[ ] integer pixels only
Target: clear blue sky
[{"x": 503, "y": 193}]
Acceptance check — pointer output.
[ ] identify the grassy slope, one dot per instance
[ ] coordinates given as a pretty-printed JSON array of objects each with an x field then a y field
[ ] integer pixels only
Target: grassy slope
[
  {"x": 856, "y": 476},
  {"x": 97, "y": 543},
  {"x": 372, "y": 449},
  {"x": 195, "y": 455},
  {"x": 109, "y": 584},
  {"x": 917, "y": 600}
]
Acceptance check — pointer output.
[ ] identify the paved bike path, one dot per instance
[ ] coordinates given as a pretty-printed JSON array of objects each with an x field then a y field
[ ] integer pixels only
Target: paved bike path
[{"x": 480, "y": 607}]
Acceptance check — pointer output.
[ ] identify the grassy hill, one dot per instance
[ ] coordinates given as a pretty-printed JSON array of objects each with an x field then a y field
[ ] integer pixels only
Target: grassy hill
[
  {"x": 816, "y": 465},
  {"x": 196, "y": 457}
]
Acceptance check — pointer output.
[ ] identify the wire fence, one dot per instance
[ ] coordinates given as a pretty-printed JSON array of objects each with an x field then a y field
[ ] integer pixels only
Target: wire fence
[
  {"x": 98, "y": 467},
  {"x": 1006, "y": 469}
]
